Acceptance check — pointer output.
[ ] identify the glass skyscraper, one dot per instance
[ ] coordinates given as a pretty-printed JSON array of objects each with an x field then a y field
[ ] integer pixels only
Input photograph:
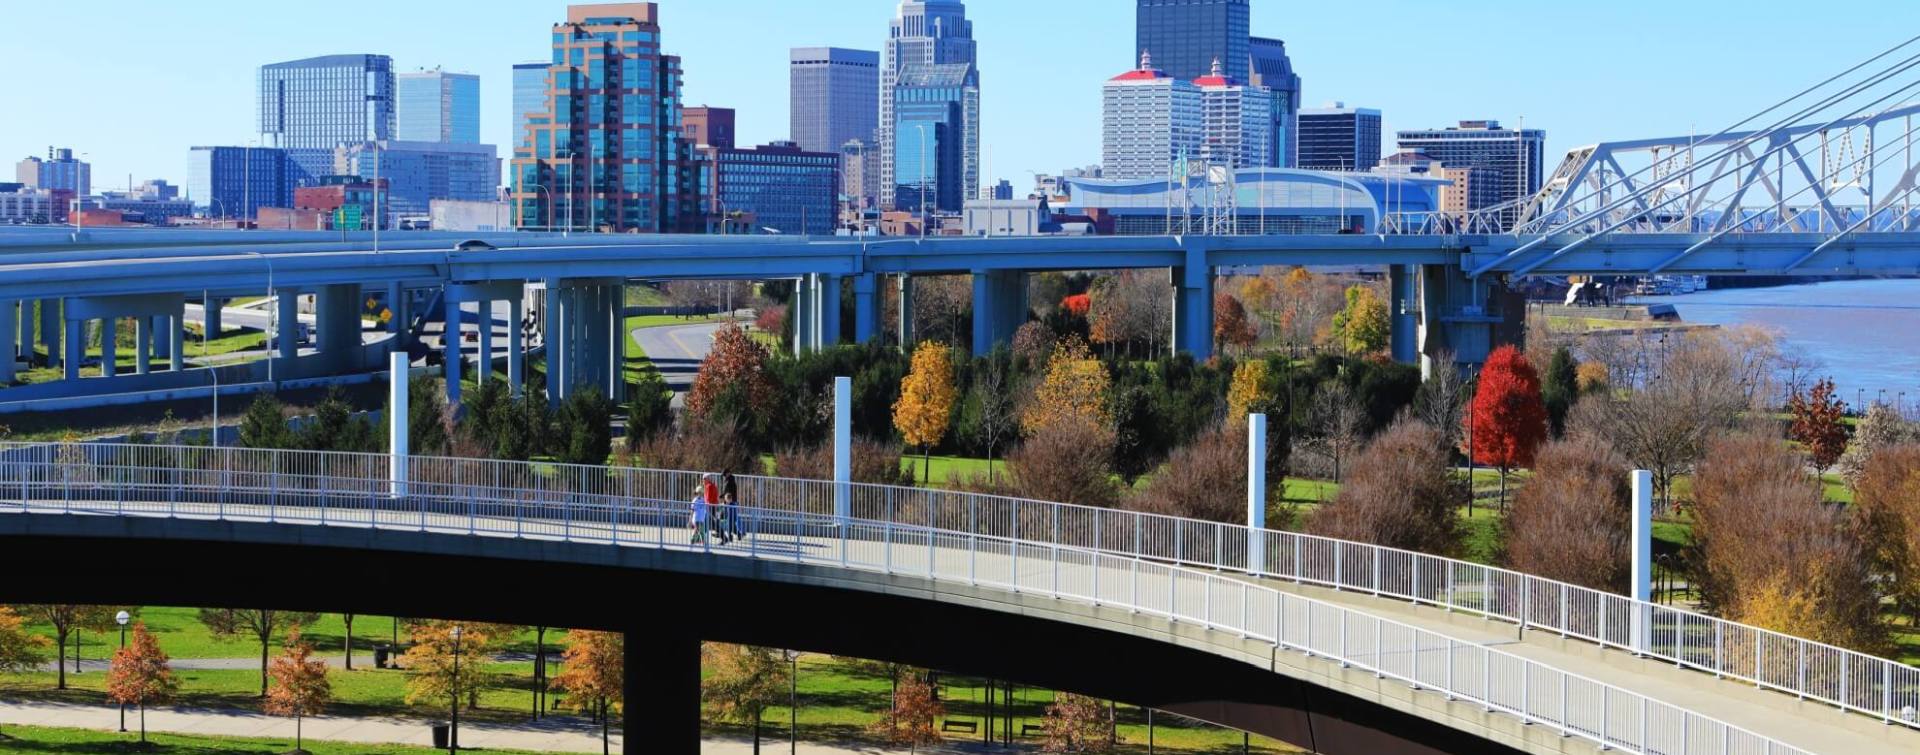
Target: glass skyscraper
[
  {"x": 606, "y": 150},
  {"x": 416, "y": 173},
  {"x": 832, "y": 96},
  {"x": 529, "y": 97},
  {"x": 1507, "y": 159},
  {"x": 309, "y": 107},
  {"x": 1337, "y": 137},
  {"x": 436, "y": 106},
  {"x": 235, "y": 182},
  {"x": 930, "y": 33},
  {"x": 930, "y": 107},
  {"x": 1271, "y": 68},
  {"x": 1185, "y": 37}
]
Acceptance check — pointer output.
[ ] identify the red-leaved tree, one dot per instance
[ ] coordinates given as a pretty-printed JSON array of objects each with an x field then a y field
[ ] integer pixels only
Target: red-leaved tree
[
  {"x": 1817, "y": 424},
  {"x": 1077, "y": 304},
  {"x": 1230, "y": 324},
  {"x": 1507, "y": 419},
  {"x": 734, "y": 362}
]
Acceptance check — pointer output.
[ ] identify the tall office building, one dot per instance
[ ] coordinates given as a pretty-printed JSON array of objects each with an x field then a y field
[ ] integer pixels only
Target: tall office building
[
  {"x": 235, "y": 182},
  {"x": 529, "y": 97},
  {"x": 606, "y": 149},
  {"x": 436, "y": 106},
  {"x": 933, "y": 137},
  {"x": 309, "y": 107},
  {"x": 1148, "y": 119},
  {"x": 1507, "y": 160},
  {"x": 1236, "y": 120},
  {"x": 1271, "y": 68},
  {"x": 59, "y": 171},
  {"x": 1337, "y": 137},
  {"x": 416, "y": 173},
  {"x": 1186, "y": 36},
  {"x": 930, "y": 34},
  {"x": 832, "y": 95}
]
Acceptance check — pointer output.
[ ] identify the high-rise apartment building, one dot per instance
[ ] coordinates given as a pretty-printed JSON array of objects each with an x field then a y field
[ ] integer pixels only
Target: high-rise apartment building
[
  {"x": 1506, "y": 162},
  {"x": 832, "y": 96},
  {"x": 606, "y": 149},
  {"x": 1337, "y": 137},
  {"x": 1271, "y": 68},
  {"x": 933, "y": 137},
  {"x": 708, "y": 126},
  {"x": 58, "y": 172},
  {"x": 437, "y": 106},
  {"x": 308, "y": 107},
  {"x": 1236, "y": 121},
  {"x": 1148, "y": 120},
  {"x": 416, "y": 173},
  {"x": 786, "y": 188},
  {"x": 529, "y": 97},
  {"x": 930, "y": 35},
  {"x": 235, "y": 182},
  {"x": 1185, "y": 37}
]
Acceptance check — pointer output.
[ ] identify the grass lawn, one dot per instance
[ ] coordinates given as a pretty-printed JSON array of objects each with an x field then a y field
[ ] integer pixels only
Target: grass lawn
[
  {"x": 655, "y": 321},
  {"x": 37, "y": 740},
  {"x": 231, "y": 340},
  {"x": 181, "y": 635},
  {"x": 945, "y": 468}
]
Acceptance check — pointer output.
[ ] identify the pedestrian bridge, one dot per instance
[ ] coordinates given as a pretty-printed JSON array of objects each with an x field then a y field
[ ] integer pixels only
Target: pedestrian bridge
[{"x": 1332, "y": 645}]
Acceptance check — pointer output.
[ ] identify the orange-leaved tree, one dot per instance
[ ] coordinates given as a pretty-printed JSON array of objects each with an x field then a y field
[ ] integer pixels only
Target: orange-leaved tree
[
  {"x": 1075, "y": 390},
  {"x": 1507, "y": 420},
  {"x": 1077, "y": 723},
  {"x": 736, "y": 362},
  {"x": 300, "y": 686},
  {"x": 1817, "y": 424},
  {"x": 20, "y": 651},
  {"x": 1231, "y": 326},
  {"x": 744, "y": 682},
  {"x": 140, "y": 675},
  {"x": 927, "y": 395},
  {"x": 910, "y": 721},
  {"x": 65, "y": 620},
  {"x": 592, "y": 674},
  {"x": 442, "y": 667},
  {"x": 260, "y": 624}
]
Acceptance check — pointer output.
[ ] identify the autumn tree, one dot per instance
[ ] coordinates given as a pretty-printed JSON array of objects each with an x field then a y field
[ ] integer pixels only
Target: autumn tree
[
  {"x": 1073, "y": 391},
  {"x": 300, "y": 686},
  {"x": 1069, "y": 461},
  {"x": 1247, "y": 390},
  {"x": 744, "y": 681},
  {"x": 736, "y": 364},
  {"x": 1077, "y": 723},
  {"x": 1505, "y": 417},
  {"x": 592, "y": 673},
  {"x": 1664, "y": 423},
  {"x": 927, "y": 396},
  {"x": 910, "y": 719},
  {"x": 1400, "y": 495},
  {"x": 1129, "y": 308},
  {"x": 1231, "y": 327},
  {"x": 1362, "y": 324},
  {"x": 20, "y": 651},
  {"x": 1572, "y": 521},
  {"x": 1818, "y": 424},
  {"x": 1887, "y": 497},
  {"x": 1881, "y": 428},
  {"x": 139, "y": 674},
  {"x": 259, "y": 624},
  {"x": 1206, "y": 479},
  {"x": 65, "y": 620},
  {"x": 434, "y": 677}
]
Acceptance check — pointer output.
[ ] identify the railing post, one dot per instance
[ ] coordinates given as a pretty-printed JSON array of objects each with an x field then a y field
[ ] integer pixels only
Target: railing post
[
  {"x": 1564, "y": 730},
  {"x": 1645, "y": 713},
  {"x": 973, "y": 557},
  {"x": 1376, "y": 572},
  {"x": 1339, "y": 567},
  {"x": 1886, "y": 693},
  {"x": 1379, "y": 658},
  {"x": 1134, "y": 600},
  {"x": 1800, "y": 674},
  {"x": 1245, "y": 595},
  {"x": 1449, "y": 587},
  {"x": 1563, "y": 610},
  {"x": 1486, "y": 680},
  {"x": 1719, "y": 649},
  {"x": 1449, "y": 672},
  {"x": 1344, "y": 658}
]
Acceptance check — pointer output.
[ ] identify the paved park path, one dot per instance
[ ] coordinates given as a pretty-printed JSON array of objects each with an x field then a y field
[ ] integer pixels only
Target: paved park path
[{"x": 567, "y": 735}]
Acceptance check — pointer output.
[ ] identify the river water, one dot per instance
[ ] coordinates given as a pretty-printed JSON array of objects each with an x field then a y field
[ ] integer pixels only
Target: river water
[{"x": 1864, "y": 333}]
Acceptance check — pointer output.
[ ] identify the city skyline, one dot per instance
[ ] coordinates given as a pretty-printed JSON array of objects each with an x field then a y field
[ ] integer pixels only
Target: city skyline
[{"x": 743, "y": 67}]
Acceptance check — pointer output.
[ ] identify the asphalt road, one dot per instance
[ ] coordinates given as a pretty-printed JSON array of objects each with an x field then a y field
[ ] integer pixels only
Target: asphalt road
[{"x": 676, "y": 351}]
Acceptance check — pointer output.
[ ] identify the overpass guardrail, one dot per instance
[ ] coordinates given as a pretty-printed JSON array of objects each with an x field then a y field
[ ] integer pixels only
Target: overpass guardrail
[{"x": 1810, "y": 670}]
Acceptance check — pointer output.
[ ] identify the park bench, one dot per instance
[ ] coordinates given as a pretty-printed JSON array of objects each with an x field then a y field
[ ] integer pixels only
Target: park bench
[{"x": 959, "y": 724}]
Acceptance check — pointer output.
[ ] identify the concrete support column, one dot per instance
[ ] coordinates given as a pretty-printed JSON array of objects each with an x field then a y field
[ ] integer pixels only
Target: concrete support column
[
  {"x": 74, "y": 336},
  {"x": 450, "y": 345},
  {"x": 1402, "y": 313},
  {"x": 554, "y": 333},
  {"x": 158, "y": 344},
  {"x": 662, "y": 682},
  {"x": 999, "y": 307},
  {"x": 905, "y": 326},
  {"x": 210, "y": 307},
  {"x": 176, "y": 339},
  {"x": 286, "y": 323},
  {"x": 143, "y": 343},
  {"x": 516, "y": 350},
  {"x": 801, "y": 313},
  {"x": 396, "y": 324},
  {"x": 10, "y": 328},
  {"x": 866, "y": 308},
  {"x": 109, "y": 353},
  {"x": 337, "y": 313},
  {"x": 485, "y": 372},
  {"x": 829, "y": 311},
  {"x": 617, "y": 341},
  {"x": 1193, "y": 306}
]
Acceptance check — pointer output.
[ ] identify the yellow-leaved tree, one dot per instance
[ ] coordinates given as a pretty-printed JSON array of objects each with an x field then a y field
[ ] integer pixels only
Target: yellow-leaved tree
[
  {"x": 1362, "y": 325},
  {"x": 1246, "y": 390},
  {"x": 927, "y": 395},
  {"x": 1075, "y": 390}
]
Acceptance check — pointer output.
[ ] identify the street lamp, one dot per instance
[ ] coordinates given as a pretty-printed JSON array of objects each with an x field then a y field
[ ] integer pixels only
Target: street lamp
[
  {"x": 793, "y": 701},
  {"x": 121, "y": 618},
  {"x": 537, "y": 188},
  {"x": 453, "y": 731}
]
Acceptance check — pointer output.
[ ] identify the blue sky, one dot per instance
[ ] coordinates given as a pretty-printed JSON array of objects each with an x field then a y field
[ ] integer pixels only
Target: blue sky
[{"x": 134, "y": 83}]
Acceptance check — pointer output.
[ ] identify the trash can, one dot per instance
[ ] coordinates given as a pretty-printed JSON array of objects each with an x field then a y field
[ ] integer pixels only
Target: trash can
[
  {"x": 441, "y": 732},
  {"x": 380, "y": 653}
]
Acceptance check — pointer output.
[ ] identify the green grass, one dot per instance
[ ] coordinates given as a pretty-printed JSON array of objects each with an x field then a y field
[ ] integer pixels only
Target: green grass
[
  {"x": 39, "y": 740},
  {"x": 1297, "y": 490},
  {"x": 181, "y": 635},
  {"x": 230, "y": 341},
  {"x": 655, "y": 321},
  {"x": 945, "y": 468}
]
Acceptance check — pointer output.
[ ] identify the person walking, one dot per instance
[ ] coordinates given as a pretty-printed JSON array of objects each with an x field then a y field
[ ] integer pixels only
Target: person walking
[
  {"x": 699, "y": 519},
  {"x": 730, "y": 495},
  {"x": 710, "y": 494}
]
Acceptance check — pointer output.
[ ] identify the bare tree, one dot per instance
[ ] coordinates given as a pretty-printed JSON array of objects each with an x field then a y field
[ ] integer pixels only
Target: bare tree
[
  {"x": 941, "y": 304},
  {"x": 998, "y": 421},
  {"x": 1337, "y": 423},
  {"x": 1442, "y": 397},
  {"x": 1695, "y": 394},
  {"x": 1571, "y": 522},
  {"x": 1401, "y": 495}
]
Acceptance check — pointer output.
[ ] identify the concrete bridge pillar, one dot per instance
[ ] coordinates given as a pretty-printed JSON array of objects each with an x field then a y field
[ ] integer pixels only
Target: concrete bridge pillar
[
  {"x": 554, "y": 334},
  {"x": 176, "y": 338},
  {"x": 999, "y": 307},
  {"x": 584, "y": 338},
  {"x": 450, "y": 346},
  {"x": 337, "y": 313},
  {"x": 109, "y": 352},
  {"x": 905, "y": 313},
  {"x": 10, "y": 328},
  {"x": 866, "y": 308},
  {"x": 801, "y": 313},
  {"x": 661, "y": 675},
  {"x": 1193, "y": 305},
  {"x": 1403, "y": 313},
  {"x": 75, "y": 338},
  {"x": 516, "y": 350},
  {"x": 143, "y": 343},
  {"x": 484, "y": 322},
  {"x": 829, "y": 320},
  {"x": 1455, "y": 313},
  {"x": 210, "y": 315},
  {"x": 286, "y": 323},
  {"x": 396, "y": 323}
]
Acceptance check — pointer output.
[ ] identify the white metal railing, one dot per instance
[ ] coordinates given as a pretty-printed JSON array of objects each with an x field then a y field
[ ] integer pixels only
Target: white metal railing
[
  {"x": 625, "y": 508},
  {"x": 1770, "y": 660}
]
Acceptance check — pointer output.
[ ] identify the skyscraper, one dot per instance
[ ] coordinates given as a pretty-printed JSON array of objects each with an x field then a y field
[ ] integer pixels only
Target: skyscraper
[
  {"x": 1148, "y": 119},
  {"x": 436, "y": 106},
  {"x": 1508, "y": 160},
  {"x": 930, "y": 33},
  {"x": 416, "y": 173},
  {"x": 1236, "y": 120},
  {"x": 1186, "y": 36},
  {"x": 308, "y": 107},
  {"x": 930, "y": 108},
  {"x": 832, "y": 96},
  {"x": 235, "y": 182},
  {"x": 529, "y": 97},
  {"x": 60, "y": 171},
  {"x": 606, "y": 149},
  {"x": 1271, "y": 68},
  {"x": 1337, "y": 137}
]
